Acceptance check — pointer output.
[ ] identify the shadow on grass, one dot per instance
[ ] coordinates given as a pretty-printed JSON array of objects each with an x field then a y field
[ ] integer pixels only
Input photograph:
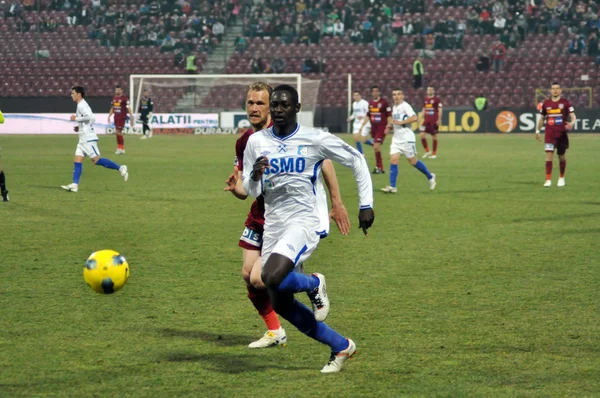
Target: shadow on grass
[
  {"x": 221, "y": 339},
  {"x": 582, "y": 231},
  {"x": 591, "y": 203},
  {"x": 232, "y": 363}
]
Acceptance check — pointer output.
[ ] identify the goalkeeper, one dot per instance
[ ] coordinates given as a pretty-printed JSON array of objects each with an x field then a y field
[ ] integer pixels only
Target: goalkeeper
[{"x": 145, "y": 111}]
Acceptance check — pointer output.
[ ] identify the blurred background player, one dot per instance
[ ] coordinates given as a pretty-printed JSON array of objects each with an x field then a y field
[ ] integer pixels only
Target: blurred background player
[
  {"x": 88, "y": 141},
  {"x": 257, "y": 110},
  {"x": 360, "y": 108},
  {"x": 281, "y": 163},
  {"x": 145, "y": 111},
  {"x": 3, "y": 190},
  {"x": 380, "y": 116},
  {"x": 559, "y": 117},
  {"x": 403, "y": 142},
  {"x": 431, "y": 120},
  {"x": 120, "y": 108}
]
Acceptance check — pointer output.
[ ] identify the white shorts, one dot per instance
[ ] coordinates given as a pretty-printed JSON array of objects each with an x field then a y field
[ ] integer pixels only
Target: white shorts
[
  {"x": 87, "y": 149},
  {"x": 408, "y": 149},
  {"x": 296, "y": 243},
  {"x": 365, "y": 131}
]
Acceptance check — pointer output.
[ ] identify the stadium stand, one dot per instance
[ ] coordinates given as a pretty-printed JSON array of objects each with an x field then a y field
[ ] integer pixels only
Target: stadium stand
[{"x": 377, "y": 41}]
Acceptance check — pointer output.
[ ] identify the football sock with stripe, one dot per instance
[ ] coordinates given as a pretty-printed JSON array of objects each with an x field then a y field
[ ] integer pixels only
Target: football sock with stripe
[
  {"x": 77, "y": 169},
  {"x": 109, "y": 164},
  {"x": 262, "y": 302},
  {"x": 393, "y": 175},
  {"x": 548, "y": 170},
  {"x": 304, "y": 319},
  {"x": 379, "y": 160},
  {"x": 296, "y": 282},
  {"x": 359, "y": 146},
  {"x": 423, "y": 169},
  {"x": 2, "y": 181}
]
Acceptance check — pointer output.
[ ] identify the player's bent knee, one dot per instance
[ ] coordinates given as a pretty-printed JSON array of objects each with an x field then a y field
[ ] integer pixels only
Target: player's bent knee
[{"x": 256, "y": 281}]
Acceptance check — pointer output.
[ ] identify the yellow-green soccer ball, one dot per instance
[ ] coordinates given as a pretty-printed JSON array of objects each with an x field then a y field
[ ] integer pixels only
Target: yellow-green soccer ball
[{"x": 106, "y": 271}]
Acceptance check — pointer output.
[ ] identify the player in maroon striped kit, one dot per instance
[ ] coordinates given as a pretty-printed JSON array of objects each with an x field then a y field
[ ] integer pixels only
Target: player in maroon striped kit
[
  {"x": 380, "y": 115},
  {"x": 559, "y": 117},
  {"x": 120, "y": 108},
  {"x": 431, "y": 118}
]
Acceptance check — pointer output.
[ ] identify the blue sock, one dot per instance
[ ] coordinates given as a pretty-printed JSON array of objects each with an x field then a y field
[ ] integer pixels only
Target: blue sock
[
  {"x": 296, "y": 282},
  {"x": 109, "y": 164},
  {"x": 369, "y": 142},
  {"x": 423, "y": 169},
  {"x": 304, "y": 319},
  {"x": 77, "y": 169},
  {"x": 359, "y": 146},
  {"x": 393, "y": 175}
]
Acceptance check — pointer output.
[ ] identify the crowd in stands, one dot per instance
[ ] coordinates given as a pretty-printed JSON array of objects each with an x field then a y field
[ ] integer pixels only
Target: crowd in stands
[{"x": 183, "y": 25}]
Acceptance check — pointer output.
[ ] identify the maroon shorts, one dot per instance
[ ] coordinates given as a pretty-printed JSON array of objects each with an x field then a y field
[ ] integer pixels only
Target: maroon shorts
[
  {"x": 378, "y": 134},
  {"x": 251, "y": 238},
  {"x": 119, "y": 124},
  {"x": 430, "y": 128},
  {"x": 560, "y": 144}
]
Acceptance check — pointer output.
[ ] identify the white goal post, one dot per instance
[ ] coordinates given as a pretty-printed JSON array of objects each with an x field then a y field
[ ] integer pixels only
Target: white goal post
[{"x": 206, "y": 93}]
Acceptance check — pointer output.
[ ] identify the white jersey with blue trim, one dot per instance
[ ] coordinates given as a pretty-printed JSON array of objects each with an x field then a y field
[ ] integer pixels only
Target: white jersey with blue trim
[
  {"x": 359, "y": 112},
  {"x": 403, "y": 133},
  {"x": 290, "y": 182},
  {"x": 85, "y": 119}
]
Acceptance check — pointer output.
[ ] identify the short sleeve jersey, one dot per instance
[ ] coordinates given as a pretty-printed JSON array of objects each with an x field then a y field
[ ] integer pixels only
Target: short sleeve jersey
[{"x": 557, "y": 115}]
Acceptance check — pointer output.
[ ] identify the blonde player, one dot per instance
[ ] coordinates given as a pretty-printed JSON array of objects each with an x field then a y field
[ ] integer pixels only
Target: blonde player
[
  {"x": 88, "y": 141},
  {"x": 360, "y": 107},
  {"x": 403, "y": 142}
]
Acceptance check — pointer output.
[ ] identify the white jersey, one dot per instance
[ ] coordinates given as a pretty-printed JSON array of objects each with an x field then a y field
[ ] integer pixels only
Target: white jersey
[
  {"x": 85, "y": 120},
  {"x": 403, "y": 133},
  {"x": 359, "y": 112},
  {"x": 290, "y": 183}
]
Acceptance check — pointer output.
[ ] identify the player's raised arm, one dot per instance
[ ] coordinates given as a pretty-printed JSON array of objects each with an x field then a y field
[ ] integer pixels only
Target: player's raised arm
[{"x": 338, "y": 210}]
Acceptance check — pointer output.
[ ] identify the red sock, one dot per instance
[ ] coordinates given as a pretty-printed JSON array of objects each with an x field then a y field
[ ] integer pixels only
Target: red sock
[
  {"x": 563, "y": 166},
  {"x": 424, "y": 142},
  {"x": 548, "y": 170},
  {"x": 261, "y": 301},
  {"x": 378, "y": 160},
  {"x": 434, "y": 146},
  {"x": 120, "y": 142}
]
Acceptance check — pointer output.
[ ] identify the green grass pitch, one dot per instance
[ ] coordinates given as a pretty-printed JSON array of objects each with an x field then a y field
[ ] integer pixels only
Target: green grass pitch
[{"x": 488, "y": 286}]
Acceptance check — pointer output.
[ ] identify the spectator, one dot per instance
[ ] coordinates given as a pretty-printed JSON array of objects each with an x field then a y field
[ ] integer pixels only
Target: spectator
[
  {"x": 218, "y": 29},
  {"x": 257, "y": 65},
  {"x": 497, "y": 9},
  {"x": 14, "y": 9},
  {"x": 483, "y": 64},
  {"x": 419, "y": 43},
  {"x": 278, "y": 65},
  {"x": 51, "y": 25},
  {"x": 179, "y": 58},
  {"x": 72, "y": 17},
  {"x": 241, "y": 44},
  {"x": 168, "y": 43},
  {"x": 311, "y": 65},
  {"x": 338, "y": 28},
  {"x": 499, "y": 23},
  {"x": 418, "y": 73},
  {"x": 577, "y": 45},
  {"x": 593, "y": 45},
  {"x": 28, "y": 5},
  {"x": 23, "y": 25},
  {"x": 440, "y": 42},
  {"x": 407, "y": 28},
  {"x": 498, "y": 53},
  {"x": 287, "y": 34}
]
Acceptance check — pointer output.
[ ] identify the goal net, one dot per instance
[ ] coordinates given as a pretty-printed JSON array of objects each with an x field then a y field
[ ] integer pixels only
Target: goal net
[{"x": 213, "y": 101}]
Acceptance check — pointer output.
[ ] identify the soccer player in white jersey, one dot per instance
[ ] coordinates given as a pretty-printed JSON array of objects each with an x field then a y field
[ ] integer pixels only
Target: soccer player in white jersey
[
  {"x": 360, "y": 107},
  {"x": 282, "y": 163},
  {"x": 403, "y": 142},
  {"x": 257, "y": 109},
  {"x": 88, "y": 141}
]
